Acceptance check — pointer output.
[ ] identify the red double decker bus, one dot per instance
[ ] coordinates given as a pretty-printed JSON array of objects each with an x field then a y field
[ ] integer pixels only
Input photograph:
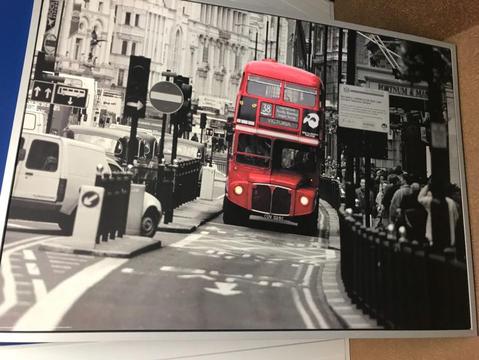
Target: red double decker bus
[{"x": 273, "y": 167}]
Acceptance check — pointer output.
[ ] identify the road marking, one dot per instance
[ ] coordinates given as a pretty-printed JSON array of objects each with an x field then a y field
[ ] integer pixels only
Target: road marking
[
  {"x": 32, "y": 269},
  {"x": 127, "y": 270},
  {"x": 58, "y": 266},
  {"x": 263, "y": 283},
  {"x": 224, "y": 289},
  {"x": 312, "y": 305},
  {"x": 9, "y": 288},
  {"x": 277, "y": 284},
  {"x": 39, "y": 289},
  {"x": 65, "y": 262},
  {"x": 220, "y": 197},
  {"x": 248, "y": 276},
  {"x": 186, "y": 241},
  {"x": 23, "y": 242},
  {"x": 307, "y": 276},
  {"x": 302, "y": 311},
  {"x": 44, "y": 317},
  {"x": 214, "y": 273},
  {"x": 204, "y": 277}
]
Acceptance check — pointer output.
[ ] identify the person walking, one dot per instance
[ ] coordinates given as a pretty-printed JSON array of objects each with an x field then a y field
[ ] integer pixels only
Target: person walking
[{"x": 425, "y": 198}]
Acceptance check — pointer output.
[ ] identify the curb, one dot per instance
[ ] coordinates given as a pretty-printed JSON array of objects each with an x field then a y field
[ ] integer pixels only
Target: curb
[
  {"x": 153, "y": 245},
  {"x": 189, "y": 229},
  {"x": 338, "y": 301}
]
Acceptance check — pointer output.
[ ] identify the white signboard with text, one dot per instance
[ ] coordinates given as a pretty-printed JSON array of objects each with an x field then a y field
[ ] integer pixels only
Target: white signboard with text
[{"x": 363, "y": 108}]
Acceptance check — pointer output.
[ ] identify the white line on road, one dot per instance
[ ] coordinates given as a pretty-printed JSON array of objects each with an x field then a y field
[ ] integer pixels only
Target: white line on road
[
  {"x": 39, "y": 289},
  {"x": 186, "y": 241},
  {"x": 59, "y": 266},
  {"x": 65, "y": 262},
  {"x": 302, "y": 311},
  {"x": 46, "y": 314},
  {"x": 23, "y": 242},
  {"x": 29, "y": 255},
  {"x": 32, "y": 269},
  {"x": 9, "y": 288},
  {"x": 312, "y": 305},
  {"x": 307, "y": 276}
]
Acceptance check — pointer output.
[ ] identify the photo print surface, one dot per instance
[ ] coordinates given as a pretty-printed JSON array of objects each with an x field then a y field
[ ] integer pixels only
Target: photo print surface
[{"x": 182, "y": 166}]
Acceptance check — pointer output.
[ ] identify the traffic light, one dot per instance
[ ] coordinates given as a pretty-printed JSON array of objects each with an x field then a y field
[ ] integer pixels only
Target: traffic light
[
  {"x": 184, "y": 115},
  {"x": 137, "y": 86},
  {"x": 203, "y": 119}
]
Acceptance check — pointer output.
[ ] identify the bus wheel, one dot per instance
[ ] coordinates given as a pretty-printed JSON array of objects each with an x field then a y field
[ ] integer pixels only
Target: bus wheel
[
  {"x": 308, "y": 225},
  {"x": 233, "y": 214}
]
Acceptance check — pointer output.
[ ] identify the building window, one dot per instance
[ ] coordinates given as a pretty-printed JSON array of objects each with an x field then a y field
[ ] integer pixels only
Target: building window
[
  {"x": 121, "y": 76},
  {"x": 124, "y": 47},
  {"x": 127, "y": 18},
  {"x": 100, "y": 6},
  {"x": 133, "y": 48},
  {"x": 205, "y": 53},
  {"x": 137, "y": 20},
  {"x": 78, "y": 47},
  {"x": 116, "y": 13}
]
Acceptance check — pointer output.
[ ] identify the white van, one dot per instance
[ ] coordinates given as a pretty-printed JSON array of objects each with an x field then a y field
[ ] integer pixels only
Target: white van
[
  {"x": 51, "y": 170},
  {"x": 35, "y": 121}
]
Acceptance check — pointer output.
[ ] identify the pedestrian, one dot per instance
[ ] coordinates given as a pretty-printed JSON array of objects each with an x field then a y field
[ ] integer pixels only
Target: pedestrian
[
  {"x": 389, "y": 190},
  {"x": 413, "y": 214},
  {"x": 425, "y": 198},
  {"x": 404, "y": 189},
  {"x": 361, "y": 197}
]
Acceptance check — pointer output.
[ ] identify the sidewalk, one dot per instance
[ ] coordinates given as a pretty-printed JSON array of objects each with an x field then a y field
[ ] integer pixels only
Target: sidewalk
[
  {"x": 188, "y": 217},
  {"x": 332, "y": 282}
]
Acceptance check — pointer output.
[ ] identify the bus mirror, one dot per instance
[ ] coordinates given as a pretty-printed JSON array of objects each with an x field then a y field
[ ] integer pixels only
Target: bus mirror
[{"x": 21, "y": 155}]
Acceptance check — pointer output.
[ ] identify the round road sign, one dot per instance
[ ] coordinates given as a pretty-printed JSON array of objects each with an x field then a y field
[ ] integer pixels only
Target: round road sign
[
  {"x": 50, "y": 44},
  {"x": 90, "y": 199},
  {"x": 166, "y": 97}
]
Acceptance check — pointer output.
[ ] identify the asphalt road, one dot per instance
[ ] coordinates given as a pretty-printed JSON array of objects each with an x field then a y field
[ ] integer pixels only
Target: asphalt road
[{"x": 221, "y": 277}]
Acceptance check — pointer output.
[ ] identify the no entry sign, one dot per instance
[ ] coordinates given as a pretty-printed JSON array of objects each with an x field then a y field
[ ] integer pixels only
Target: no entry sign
[{"x": 166, "y": 97}]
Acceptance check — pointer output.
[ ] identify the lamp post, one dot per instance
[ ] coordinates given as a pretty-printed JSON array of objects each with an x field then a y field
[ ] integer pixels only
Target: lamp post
[{"x": 260, "y": 27}]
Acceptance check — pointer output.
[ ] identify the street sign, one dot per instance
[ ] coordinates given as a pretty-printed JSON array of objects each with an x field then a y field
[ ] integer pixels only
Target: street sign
[
  {"x": 90, "y": 199},
  {"x": 50, "y": 44},
  {"x": 363, "y": 109},
  {"x": 166, "y": 97},
  {"x": 70, "y": 96},
  {"x": 43, "y": 91}
]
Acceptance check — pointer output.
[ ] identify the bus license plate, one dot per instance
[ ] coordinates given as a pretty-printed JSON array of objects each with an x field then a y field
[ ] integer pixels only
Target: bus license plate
[{"x": 273, "y": 217}]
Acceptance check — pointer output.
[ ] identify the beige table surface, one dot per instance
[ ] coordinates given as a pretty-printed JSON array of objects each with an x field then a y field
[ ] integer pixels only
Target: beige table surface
[{"x": 455, "y": 21}]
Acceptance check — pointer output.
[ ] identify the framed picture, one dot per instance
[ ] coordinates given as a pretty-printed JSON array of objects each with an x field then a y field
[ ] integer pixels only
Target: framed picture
[{"x": 195, "y": 170}]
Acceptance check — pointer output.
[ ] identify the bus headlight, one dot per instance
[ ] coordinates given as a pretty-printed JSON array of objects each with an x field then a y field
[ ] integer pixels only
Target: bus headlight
[
  {"x": 304, "y": 200},
  {"x": 238, "y": 189}
]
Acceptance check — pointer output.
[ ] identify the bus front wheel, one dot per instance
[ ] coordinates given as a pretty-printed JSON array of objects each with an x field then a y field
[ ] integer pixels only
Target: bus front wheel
[
  {"x": 234, "y": 214},
  {"x": 308, "y": 224}
]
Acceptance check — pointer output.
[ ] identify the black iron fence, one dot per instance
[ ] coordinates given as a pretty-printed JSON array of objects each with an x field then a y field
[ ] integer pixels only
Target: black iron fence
[
  {"x": 403, "y": 284},
  {"x": 114, "y": 211},
  {"x": 178, "y": 184},
  {"x": 330, "y": 191}
]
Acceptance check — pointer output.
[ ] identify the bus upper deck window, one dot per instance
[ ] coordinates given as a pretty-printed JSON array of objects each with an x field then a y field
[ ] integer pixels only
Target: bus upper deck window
[
  {"x": 264, "y": 87},
  {"x": 301, "y": 95}
]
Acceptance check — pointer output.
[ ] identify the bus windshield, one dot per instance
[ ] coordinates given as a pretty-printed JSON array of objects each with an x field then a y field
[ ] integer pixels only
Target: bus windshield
[
  {"x": 300, "y": 95},
  {"x": 294, "y": 157},
  {"x": 254, "y": 150},
  {"x": 267, "y": 88}
]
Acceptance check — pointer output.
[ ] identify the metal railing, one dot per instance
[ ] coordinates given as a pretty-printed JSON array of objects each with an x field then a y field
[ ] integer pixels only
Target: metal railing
[
  {"x": 178, "y": 183},
  {"x": 114, "y": 211},
  {"x": 329, "y": 190},
  {"x": 403, "y": 284}
]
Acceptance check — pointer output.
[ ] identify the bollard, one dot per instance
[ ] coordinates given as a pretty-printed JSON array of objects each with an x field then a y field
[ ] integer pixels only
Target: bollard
[{"x": 87, "y": 220}]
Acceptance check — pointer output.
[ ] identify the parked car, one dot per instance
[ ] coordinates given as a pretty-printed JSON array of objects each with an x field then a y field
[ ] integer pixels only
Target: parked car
[
  {"x": 152, "y": 212},
  {"x": 51, "y": 170}
]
